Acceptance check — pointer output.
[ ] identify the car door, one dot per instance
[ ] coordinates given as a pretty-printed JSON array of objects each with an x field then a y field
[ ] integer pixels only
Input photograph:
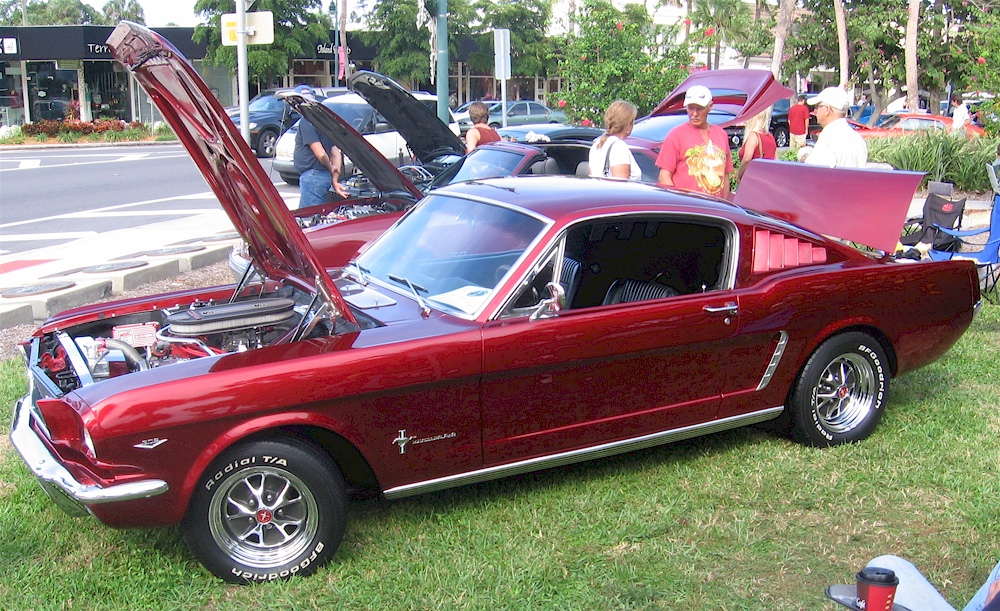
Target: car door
[
  {"x": 517, "y": 113},
  {"x": 537, "y": 113},
  {"x": 604, "y": 373}
]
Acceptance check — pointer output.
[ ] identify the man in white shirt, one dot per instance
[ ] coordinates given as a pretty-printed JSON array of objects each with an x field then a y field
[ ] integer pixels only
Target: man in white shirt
[
  {"x": 959, "y": 116},
  {"x": 838, "y": 145}
]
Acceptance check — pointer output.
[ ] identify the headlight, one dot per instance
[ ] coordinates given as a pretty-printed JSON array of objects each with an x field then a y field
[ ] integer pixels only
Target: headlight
[{"x": 253, "y": 125}]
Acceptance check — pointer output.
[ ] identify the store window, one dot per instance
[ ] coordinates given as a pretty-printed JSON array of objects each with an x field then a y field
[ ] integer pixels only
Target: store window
[
  {"x": 107, "y": 90},
  {"x": 311, "y": 72},
  {"x": 11, "y": 95},
  {"x": 52, "y": 93}
]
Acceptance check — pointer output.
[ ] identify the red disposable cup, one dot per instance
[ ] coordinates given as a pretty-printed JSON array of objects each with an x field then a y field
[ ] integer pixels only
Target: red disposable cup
[{"x": 876, "y": 589}]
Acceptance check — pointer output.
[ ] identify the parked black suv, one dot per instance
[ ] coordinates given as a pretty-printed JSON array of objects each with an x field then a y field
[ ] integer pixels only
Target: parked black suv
[{"x": 269, "y": 117}]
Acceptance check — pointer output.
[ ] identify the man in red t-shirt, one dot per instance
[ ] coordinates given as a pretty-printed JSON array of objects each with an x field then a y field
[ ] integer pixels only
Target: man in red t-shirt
[
  {"x": 695, "y": 155},
  {"x": 798, "y": 122}
]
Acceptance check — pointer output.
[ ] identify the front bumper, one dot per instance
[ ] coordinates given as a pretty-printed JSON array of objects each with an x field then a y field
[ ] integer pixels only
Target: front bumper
[{"x": 70, "y": 495}]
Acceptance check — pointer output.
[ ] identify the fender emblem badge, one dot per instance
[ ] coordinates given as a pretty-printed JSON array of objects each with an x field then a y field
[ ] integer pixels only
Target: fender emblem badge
[{"x": 402, "y": 440}]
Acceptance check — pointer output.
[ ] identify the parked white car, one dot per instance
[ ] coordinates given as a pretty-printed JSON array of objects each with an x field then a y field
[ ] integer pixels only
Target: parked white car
[{"x": 367, "y": 121}]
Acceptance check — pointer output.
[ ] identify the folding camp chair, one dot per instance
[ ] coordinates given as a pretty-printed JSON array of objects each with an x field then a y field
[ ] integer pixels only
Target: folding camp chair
[
  {"x": 940, "y": 210},
  {"x": 987, "y": 257}
]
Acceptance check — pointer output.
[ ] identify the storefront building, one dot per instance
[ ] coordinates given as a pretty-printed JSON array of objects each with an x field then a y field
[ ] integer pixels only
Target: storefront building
[
  {"x": 55, "y": 72},
  {"x": 60, "y": 72}
]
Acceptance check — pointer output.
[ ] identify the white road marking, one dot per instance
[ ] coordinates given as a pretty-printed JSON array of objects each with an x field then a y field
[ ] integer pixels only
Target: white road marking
[
  {"x": 37, "y": 237},
  {"x": 117, "y": 159}
]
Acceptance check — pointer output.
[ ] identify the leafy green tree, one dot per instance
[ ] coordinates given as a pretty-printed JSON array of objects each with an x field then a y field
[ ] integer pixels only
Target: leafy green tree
[
  {"x": 875, "y": 34},
  {"x": 50, "y": 12},
  {"x": 298, "y": 26},
  {"x": 619, "y": 54},
  {"x": 532, "y": 52},
  {"x": 127, "y": 10},
  {"x": 984, "y": 61},
  {"x": 403, "y": 48}
]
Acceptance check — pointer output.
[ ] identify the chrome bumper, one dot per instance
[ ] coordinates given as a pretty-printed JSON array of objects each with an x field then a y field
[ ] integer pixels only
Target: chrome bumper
[{"x": 70, "y": 495}]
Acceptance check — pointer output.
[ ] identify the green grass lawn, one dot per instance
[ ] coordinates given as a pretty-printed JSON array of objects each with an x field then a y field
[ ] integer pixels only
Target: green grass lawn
[{"x": 739, "y": 520}]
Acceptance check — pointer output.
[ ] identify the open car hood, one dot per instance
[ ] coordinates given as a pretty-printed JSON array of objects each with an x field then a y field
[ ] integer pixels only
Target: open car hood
[
  {"x": 426, "y": 135},
  {"x": 365, "y": 157},
  {"x": 865, "y": 206},
  {"x": 741, "y": 93},
  {"x": 276, "y": 243}
]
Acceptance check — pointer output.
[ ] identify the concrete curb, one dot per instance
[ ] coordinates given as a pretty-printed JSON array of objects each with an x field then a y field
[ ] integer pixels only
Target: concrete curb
[{"x": 67, "y": 145}]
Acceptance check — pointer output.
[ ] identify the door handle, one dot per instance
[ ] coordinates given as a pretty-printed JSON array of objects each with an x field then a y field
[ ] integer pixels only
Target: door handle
[{"x": 729, "y": 308}]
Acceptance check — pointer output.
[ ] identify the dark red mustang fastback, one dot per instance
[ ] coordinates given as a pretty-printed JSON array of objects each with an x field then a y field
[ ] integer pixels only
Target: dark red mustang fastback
[{"x": 500, "y": 326}]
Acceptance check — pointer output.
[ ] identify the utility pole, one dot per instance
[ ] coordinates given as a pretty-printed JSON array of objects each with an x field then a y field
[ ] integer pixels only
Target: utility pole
[
  {"x": 242, "y": 76},
  {"x": 442, "y": 61}
]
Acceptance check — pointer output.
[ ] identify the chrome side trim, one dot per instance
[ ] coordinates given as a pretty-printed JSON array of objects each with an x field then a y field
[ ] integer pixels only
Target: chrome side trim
[
  {"x": 565, "y": 458},
  {"x": 779, "y": 350},
  {"x": 69, "y": 495}
]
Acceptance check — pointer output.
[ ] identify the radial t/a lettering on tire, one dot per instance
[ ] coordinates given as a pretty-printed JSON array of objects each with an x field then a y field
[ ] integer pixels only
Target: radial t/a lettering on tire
[
  {"x": 839, "y": 395},
  {"x": 267, "y": 510}
]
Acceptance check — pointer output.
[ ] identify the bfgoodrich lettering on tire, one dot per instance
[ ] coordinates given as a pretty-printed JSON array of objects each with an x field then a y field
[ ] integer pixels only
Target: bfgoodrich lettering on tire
[
  {"x": 267, "y": 510},
  {"x": 840, "y": 392}
]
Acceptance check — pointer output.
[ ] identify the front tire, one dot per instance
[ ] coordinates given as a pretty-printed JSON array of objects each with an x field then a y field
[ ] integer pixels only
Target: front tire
[
  {"x": 839, "y": 395},
  {"x": 267, "y": 510}
]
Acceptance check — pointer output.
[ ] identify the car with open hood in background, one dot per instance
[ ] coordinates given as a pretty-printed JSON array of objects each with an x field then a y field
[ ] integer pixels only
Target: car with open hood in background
[
  {"x": 399, "y": 146},
  {"x": 737, "y": 95},
  {"x": 500, "y": 326}
]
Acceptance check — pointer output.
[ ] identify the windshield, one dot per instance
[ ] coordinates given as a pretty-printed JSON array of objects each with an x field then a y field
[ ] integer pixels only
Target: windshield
[
  {"x": 267, "y": 103},
  {"x": 480, "y": 163},
  {"x": 355, "y": 115},
  {"x": 454, "y": 253}
]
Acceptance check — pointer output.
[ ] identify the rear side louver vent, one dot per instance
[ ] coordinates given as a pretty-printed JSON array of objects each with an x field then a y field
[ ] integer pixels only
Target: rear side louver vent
[{"x": 776, "y": 251}]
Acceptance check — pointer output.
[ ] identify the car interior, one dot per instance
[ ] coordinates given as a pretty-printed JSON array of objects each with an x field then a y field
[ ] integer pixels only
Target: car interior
[{"x": 627, "y": 260}]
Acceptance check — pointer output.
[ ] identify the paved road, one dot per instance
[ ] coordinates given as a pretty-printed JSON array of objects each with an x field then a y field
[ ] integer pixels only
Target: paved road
[{"x": 50, "y": 197}]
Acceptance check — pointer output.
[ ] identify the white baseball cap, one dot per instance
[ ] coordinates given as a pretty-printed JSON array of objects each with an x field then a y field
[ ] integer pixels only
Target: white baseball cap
[
  {"x": 835, "y": 97},
  {"x": 699, "y": 95}
]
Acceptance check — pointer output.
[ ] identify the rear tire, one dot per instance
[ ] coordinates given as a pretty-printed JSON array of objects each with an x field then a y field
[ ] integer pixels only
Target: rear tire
[
  {"x": 839, "y": 395},
  {"x": 267, "y": 510},
  {"x": 781, "y": 137},
  {"x": 266, "y": 143}
]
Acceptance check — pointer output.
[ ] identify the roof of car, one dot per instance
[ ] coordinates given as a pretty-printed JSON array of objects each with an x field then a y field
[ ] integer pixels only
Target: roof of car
[{"x": 557, "y": 197}]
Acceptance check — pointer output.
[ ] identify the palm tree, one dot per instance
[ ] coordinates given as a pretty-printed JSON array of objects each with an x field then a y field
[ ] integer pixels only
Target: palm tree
[
  {"x": 838, "y": 11},
  {"x": 724, "y": 20},
  {"x": 123, "y": 10},
  {"x": 786, "y": 11},
  {"x": 910, "y": 52}
]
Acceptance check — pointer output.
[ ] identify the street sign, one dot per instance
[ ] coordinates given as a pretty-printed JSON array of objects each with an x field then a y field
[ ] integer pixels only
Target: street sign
[
  {"x": 260, "y": 29},
  {"x": 501, "y": 53}
]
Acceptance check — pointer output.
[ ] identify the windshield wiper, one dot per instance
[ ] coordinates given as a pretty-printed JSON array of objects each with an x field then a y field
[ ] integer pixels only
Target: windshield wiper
[
  {"x": 425, "y": 309},
  {"x": 361, "y": 276}
]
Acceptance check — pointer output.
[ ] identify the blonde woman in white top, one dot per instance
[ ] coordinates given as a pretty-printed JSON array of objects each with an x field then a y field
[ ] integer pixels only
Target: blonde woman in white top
[{"x": 610, "y": 155}]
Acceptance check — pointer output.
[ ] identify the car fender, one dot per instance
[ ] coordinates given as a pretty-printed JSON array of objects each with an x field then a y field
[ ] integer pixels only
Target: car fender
[{"x": 258, "y": 427}]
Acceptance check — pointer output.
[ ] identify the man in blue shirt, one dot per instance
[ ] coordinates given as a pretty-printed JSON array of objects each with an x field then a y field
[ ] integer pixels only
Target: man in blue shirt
[{"x": 318, "y": 162}]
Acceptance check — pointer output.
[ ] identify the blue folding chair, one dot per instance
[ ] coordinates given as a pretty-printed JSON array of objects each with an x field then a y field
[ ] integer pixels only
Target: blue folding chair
[{"x": 987, "y": 258}]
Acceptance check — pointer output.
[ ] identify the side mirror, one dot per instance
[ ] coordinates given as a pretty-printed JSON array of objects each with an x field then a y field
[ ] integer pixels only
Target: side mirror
[
  {"x": 382, "y": 127},
  {"x": 553, "y": 305}
]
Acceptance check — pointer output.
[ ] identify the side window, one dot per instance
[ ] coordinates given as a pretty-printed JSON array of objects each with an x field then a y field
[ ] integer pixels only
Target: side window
[
  {"x": 517, "y": 110},
  {"x": 626, "y": 260},
  {"x": 536, "y": 109}
]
